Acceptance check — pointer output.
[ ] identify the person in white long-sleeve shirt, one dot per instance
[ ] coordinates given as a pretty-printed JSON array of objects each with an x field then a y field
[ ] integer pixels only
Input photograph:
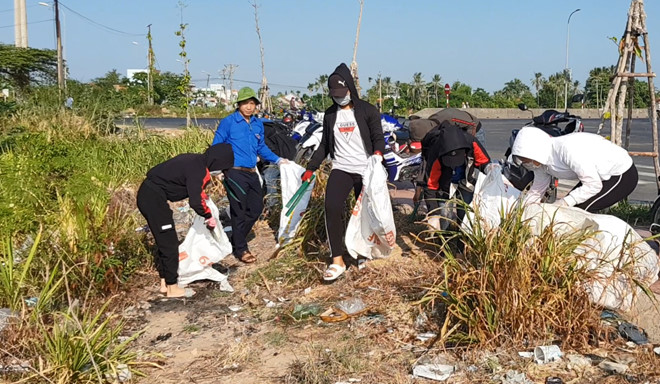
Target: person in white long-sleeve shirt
[{"x": 605, "y": 171}]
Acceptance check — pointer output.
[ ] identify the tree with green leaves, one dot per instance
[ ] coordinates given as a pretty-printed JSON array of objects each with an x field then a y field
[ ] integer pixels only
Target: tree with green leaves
[
  {"x": 537, "y": 82},
  {"x": 22, "y": 67},
  {"x": 436, "y": 82}
]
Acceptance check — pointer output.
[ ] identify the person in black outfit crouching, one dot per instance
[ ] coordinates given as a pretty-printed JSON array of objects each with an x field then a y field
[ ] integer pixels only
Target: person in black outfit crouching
[{"x": 184, "y": 176}]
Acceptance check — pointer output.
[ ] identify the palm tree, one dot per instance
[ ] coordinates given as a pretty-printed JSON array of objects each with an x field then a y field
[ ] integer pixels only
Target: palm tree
[
  {"x": 436, "y": 81},
  {"x": 537, "y": 82},
  {"x": 417, "y": 89}
]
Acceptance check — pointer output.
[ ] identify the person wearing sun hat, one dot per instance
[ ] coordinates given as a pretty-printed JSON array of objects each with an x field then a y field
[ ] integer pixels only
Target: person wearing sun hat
[{"x": 245, "y": 134}]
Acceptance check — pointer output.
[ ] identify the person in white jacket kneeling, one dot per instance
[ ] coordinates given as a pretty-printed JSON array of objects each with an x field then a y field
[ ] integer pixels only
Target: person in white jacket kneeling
[{"x": 605, "y": 171}]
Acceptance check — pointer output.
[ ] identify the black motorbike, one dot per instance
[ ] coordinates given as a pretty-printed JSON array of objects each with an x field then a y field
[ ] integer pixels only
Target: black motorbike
[{"x": 552, "y": 122}]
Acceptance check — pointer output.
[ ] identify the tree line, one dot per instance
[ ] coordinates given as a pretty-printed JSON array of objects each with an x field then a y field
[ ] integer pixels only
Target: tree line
[{"x": 24, "y": 70}]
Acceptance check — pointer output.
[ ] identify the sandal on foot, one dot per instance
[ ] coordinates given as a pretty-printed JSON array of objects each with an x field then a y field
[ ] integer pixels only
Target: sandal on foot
[
  {"x": 334, "y": 270},
  {"x": 247, "y": 257}
]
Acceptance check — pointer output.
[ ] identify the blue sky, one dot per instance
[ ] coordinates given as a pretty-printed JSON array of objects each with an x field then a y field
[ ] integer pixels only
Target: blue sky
[{"x": 483, "y": 43}]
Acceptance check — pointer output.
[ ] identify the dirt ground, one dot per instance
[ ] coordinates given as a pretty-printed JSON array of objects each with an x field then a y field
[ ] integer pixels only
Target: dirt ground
[{"x": 260, "y": 333}]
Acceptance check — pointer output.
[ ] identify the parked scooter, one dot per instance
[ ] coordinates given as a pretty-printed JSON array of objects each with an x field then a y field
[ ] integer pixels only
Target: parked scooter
[
  {"x": 309, "y": 142},
  {"x": 550, "y": 121}
]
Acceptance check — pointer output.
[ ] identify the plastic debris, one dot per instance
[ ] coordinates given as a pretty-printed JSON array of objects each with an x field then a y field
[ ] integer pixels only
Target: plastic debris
[
  {"x": 307, "y": 291},
  {"x": 235, "y": 308},
  {"x": 122, "y": 374},
  {"x": 225, "y": 286},
  {"x": 5, "y": 315},
  {"x": 656, "y": 350},
  {"x": 421, "y": 320},
  {"x": 633, "y": 333},
  {"x": 32, "y": 301},
  {"x": 351, "y": 306},
  {"x": 526, "y": 355},
  {"x": 612, "y": 367},
  {"x": 546, "y": 353},
  {"x": 553, "y": 380},
  {"x": 515, "y": 377},
  {"x": 302, "y": 311},
  {"x": 438, "y": 372},
  {"x": 269, "y": 304},
  {"x": 578, "y": 360},
  {"x": 423, "y": 337}
]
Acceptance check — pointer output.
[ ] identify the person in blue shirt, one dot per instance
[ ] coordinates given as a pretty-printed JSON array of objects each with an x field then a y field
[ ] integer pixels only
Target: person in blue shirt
[{"x": 245, "y": 134}]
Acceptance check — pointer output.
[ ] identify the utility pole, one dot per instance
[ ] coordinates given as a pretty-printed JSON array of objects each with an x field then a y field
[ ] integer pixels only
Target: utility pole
[
  {"x": 230, "y": 68},
  {"x": 150, "y": 72},
  {"x": 60, "y": 62},
  {"x": 380, "y": 94},
  {"x": 20, "y": 24},
  {"x": 208, "y": 79}
]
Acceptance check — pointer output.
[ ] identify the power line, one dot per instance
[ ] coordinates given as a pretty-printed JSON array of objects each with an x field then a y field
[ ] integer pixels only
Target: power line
[
  {"x": 99, "y": 24},
  {"x": 259, "y": 82},
  {"x": 12, "y": 9},
  {"x": 33, "y": 22}
]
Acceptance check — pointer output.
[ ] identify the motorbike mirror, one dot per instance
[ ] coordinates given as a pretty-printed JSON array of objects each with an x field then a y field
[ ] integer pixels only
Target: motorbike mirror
[
  {"x": 577, "y": 98},
  {"x": 522, "y": 106}
]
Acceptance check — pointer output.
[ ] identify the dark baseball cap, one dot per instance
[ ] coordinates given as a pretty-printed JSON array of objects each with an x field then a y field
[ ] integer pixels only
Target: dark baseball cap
[
  {"x": 454, "y": 158},
  {"x": 337, "y": 86}
]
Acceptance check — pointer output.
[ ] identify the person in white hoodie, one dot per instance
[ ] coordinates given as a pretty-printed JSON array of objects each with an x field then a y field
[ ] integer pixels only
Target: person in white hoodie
[{"x": 605, "y": 171}]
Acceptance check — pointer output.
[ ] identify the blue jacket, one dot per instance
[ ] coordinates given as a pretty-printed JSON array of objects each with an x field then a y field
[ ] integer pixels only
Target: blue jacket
[{"x": 247, "y": 140}]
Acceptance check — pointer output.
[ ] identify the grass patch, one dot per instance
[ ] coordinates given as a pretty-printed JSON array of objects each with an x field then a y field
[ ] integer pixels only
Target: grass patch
[
  {"x": 633, "y": 214},
  {"x": 323, "y": 365},
  {"x": 191, "y": 328},
  {"x": 511, "y": 286},
  {"x": 67, "y": 230},
  {"x": 276, "y": 338}
]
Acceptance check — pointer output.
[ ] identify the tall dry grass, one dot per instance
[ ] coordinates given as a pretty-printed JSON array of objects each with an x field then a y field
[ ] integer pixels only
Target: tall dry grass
[{"x": 509, "y": 286}]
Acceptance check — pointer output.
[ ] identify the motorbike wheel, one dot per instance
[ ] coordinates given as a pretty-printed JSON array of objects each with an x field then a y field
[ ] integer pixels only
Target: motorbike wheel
[
  {"x": 304, "y": 155},
  {"x": 655, "y": 216}
]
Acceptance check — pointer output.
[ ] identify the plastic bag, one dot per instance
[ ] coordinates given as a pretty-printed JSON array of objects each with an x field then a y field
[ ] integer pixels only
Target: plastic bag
[
  {"x": 371, "y": 232},
  {"x": 493, "y": 197},
  {"x": 614, "y": 244},
  {"x": 290, "y": 178},
  {"x": 201, "y": 248}
]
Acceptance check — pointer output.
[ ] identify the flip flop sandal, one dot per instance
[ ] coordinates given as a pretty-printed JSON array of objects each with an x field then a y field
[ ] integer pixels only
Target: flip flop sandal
[
  {"x": 247, "y": 258},
  {"x": 335, "y": 270}
]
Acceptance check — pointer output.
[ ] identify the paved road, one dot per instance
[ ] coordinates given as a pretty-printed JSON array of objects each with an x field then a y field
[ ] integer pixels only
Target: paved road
[{"x": 497, "y": 140}]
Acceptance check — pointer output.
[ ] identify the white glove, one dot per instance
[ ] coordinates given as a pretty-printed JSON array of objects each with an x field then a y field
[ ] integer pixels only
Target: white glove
[
  {"x": 282, "y": 161},
  {"x": 561, "y": 203}
]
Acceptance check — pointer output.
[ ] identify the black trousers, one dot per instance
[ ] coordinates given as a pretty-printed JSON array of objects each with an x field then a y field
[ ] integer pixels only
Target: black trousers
[
  {"x": 152, "y": 203},
  {"x": 433, "y": 197},
  {"x": 245, "y": 206},
  {"x": 614, "y": 190},
  {"x": 337, "y": 190}
]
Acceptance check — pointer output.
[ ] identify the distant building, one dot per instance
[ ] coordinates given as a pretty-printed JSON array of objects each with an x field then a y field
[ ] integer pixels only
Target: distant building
[{"x": 130, "y": 73}]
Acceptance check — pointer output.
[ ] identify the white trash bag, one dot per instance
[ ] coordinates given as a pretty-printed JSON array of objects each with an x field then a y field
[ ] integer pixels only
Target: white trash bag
[
  {"x": 371, "y": 232},
  {"x": 493, "y": 197},
  {"x": 201, "y": 248},
  {"x": 290, "y": 174},
  {"x": 613, "y": 245}
]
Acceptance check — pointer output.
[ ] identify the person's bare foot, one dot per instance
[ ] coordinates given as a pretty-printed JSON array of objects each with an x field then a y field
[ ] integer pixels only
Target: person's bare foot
[
  {"x": 175, "y": 291},
  {"x": 163, "y": 286}
]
